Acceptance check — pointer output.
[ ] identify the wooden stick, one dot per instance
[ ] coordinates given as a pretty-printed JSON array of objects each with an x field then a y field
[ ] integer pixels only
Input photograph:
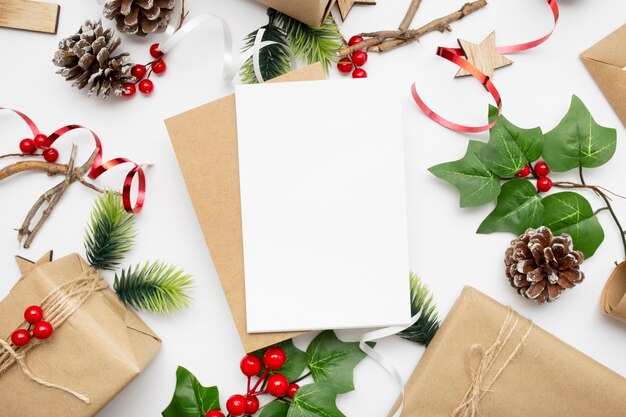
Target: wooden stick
[
  {"x": 23, "y": 166},
  {"x": 410, "y": 14}
]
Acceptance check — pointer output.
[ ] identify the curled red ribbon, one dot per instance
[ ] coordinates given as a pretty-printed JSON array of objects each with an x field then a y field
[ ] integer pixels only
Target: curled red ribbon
[
  {"x": 456, "y": 56},
  {"x": 98, "y": 167}
]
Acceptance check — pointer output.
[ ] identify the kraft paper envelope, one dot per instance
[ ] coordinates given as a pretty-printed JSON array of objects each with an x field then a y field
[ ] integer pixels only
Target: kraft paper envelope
[
  {"x": 309, "y": 12},
  {"x": 212, "y": 179},
  {"x": 605, "y": 61}
]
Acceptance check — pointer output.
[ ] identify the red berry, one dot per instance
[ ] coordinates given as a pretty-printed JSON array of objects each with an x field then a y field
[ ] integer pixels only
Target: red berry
[
  {"x": 51, "y": 155},
  {"x": 28, "y": 146},
  {"x": 544, "y": 184},
  {"x": 42, "y": 330},
  {"x": 236, "y": 405},
  {"x": 41, "y": 141},
  {"x": 359, "y": 58},
  {"x": 354, "y": 40},
  {"x": 250, "y": 365},
  {"x": 138, "y": 71},
  {"x": 129, "y": 90},
  {"x": 20, "y": 337},
  {"x": 292, "y": 389},
  {"x": 274, "y": 358},
  {"x": 154, "y": 51},
  {"x": 359, "y": 73},
  {"x": 524, "y": 172},
  {"x": 541, "y": 169},
  {"x": 33, "y": 314},
  {"x": 277, "y": 385},
  {"x": 159, "y": 67},
  {"x": 344, "y": 65},
  {"x": 252, "y": 405},
  {"x": 214, "y": 413},
  {"x": 146, "y": 86}
]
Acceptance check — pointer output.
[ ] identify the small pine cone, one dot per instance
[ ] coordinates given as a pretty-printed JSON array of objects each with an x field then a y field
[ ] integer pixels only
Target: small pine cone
[
  {"x": 540, "y": 265},
  {"x": 139, "y": 17},
  {"x": 87, "y": 59}
]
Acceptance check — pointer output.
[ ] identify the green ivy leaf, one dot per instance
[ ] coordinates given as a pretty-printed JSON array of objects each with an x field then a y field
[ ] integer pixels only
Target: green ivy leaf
[
  {"x": 570, "y": 213},
  {"x": 332, "y": 361},
  {"x": 315, "y": 400},
  {"x": 578, "y": 141},
  {"x": 275, "y": 409},
  {"x": 510, "y": 148},
  {"x": 295, "y": 360},
  {"x": 518, "y": 208},
  {"x": 475, "y": 182},
  {"x": 191, "y": 399}
]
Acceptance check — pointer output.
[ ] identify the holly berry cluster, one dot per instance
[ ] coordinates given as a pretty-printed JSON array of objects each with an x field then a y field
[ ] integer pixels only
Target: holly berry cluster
[
  {"x": 40, "y": 141},
  {"x": 143, "y": 72},
  {"x": 40, "y": 329},
  {"x": 275, "y": 384},
  {"x": 540, "y": 171},
  {"x": 353, "y": 62}
]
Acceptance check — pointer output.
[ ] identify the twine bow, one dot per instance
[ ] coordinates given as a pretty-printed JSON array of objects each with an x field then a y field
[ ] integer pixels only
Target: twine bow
[
  {"x": 59, "y": 305},
  {"x": 481, "y": 361}
]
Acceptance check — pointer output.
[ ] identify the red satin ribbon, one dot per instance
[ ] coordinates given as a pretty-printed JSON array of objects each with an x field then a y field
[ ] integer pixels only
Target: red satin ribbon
[
  {"x": 456, "y": 56},
  {"x": 98, "y": 168}
]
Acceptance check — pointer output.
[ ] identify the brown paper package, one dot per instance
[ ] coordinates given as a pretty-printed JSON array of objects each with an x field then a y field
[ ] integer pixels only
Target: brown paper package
[
  {"x": 613, "y": 300},
  {"x": 99, "y": 350},
  {"x": 309, "y": 12},
  {"x": 547, "y": 377},
  {"x": 212, "y": 179}
]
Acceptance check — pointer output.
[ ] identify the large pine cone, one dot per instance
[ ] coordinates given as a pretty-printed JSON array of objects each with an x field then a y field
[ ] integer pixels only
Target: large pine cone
[
  {"x": 87, "y": 60},
  {"x": 139, "y": 17},
  {"x": 540, "y": 265}
]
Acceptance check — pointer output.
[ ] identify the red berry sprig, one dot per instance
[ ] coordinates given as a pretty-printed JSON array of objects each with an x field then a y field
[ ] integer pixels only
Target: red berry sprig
[
  {"x": 540, "y": 171},
  {"x": 143, "y": 72},
  {"x": 40, "y": 329},
  {"x": 29, "y": 146},
  {"x": 354, "y": 61}
]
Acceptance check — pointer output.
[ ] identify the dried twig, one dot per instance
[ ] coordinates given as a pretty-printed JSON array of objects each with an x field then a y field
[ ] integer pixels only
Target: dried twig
[
  {"x": 410, "y": 14},
  {"x": 183, "y": 15}
]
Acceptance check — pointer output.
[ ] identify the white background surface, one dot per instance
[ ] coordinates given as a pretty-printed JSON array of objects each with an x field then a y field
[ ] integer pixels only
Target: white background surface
[{"x": 536, "y": 90}]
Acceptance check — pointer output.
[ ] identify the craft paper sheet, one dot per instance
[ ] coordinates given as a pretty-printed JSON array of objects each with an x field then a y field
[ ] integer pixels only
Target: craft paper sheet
[{"x": 323, "y": 201}]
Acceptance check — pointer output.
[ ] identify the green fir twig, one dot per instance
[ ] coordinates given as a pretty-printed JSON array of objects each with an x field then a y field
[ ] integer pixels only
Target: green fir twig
[
  {"x": 155, "y": 287},
  {"x": 426, "y": 326},
  {"x": 111, "y": 232}
]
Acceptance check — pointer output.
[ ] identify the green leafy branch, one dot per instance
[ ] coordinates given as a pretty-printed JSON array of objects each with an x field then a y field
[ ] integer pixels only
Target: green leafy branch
[{"x": 426, "y": 326}]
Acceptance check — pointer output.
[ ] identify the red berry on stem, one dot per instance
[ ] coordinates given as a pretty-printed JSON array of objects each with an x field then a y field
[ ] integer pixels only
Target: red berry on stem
[
  {"x": 146, "y": 86},
  {"x": 277, "y": 385},
  {"x": 214, "y": 413},
  {"x": 154, "y": 51},
  {"x": 359, "y": 73},
  {"x": 544, "y": 184},
  {"x": 354, "y": 40},
  {"x": 33, "y": 314},
  {"x": 159, "y": 67},
  {"x": 250, "y": 365},
  {"x": 359, "y": 58},
  {"x": 524, "y": 172},
  {"x": 20, "y": 337},
  {"x": 292, "y": 389},
  {"x": 252, "y": 405},
  {"x": 274, "y": 358},
  {"x": 236, "y": 405},
  {"x": 28, "y": 146},
  {"x": 51, "y": 155},
  {"x": 138, "y": 71},
  {"x": 541, "y": 169},
  {"x": 129, "y": 90},
  {"x": 41, "y": 141},
  {"x": 344, "y": 65},
  {"x": 42, "y": 330}
]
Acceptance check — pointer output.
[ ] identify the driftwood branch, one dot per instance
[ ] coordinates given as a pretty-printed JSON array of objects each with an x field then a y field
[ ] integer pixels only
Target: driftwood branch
[{"x": 410, "y": 14}]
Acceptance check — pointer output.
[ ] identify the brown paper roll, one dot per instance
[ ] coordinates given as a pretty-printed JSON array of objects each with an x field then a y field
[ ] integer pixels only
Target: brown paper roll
[{"x": 613, "y": 302}]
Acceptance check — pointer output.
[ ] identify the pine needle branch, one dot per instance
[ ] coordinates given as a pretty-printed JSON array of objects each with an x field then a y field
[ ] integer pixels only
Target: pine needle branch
[
  {"x": 155, "y": 287},
  {"x": 424, "y": 329},
  {"x": 111, "y": 233}
]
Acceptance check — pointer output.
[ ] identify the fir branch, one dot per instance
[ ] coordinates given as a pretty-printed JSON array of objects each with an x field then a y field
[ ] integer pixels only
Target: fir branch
[
  {"x": 424, "y": 329},
  {"x": 156, "y": 287},
  {"x": 312, "y": 44},
  {"x": 111, "y": 232}
]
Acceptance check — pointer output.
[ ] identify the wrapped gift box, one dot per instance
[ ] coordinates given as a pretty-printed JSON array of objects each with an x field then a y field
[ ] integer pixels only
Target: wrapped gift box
[{"x": 309, "y": 12}]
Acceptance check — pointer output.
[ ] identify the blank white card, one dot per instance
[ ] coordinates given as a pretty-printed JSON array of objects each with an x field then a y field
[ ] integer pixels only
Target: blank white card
[{"x": 323, "y": 205}]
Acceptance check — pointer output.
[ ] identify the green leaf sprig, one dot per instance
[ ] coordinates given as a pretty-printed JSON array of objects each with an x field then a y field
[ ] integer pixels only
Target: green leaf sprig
[{"x": 422, "y": 303}]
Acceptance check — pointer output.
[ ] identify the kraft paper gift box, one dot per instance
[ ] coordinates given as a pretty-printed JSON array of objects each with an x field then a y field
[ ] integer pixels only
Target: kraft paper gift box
[
  {"x": 613, "y": 301},
  {"x": 487, "y": 361},
  {"x": 309, "y": 12},
  {"x": 98, "y": 350},
  {"x": 212, "y": 179}
]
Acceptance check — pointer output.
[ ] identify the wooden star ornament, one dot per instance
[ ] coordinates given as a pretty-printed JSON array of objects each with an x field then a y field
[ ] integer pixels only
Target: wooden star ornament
[
  {"x": 346, "y": 5},
  {"x": 483, "y": 56}
]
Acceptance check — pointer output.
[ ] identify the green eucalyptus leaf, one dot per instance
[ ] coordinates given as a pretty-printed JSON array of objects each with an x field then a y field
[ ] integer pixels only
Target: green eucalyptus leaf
[
  {"x": 475, "y": 182},
  {"x": 315, "y": 400},
  {"x": 570, "y": 213},
  {"x": 578, "y": 141},
  {"x": 332, "y": 361},
  {"x": 295, "y": 362},
  {"x": 518, "y": 208},
  {"x": 275, "y": 409},
  {"x": 191, "y": 399}
]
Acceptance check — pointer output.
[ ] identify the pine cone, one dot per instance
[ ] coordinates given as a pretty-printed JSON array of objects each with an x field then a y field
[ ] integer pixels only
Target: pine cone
[
  {"x": 540, "y": 265},
  {"x": 87, "y": 59},
  {"x": 139, "y": 17}
]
